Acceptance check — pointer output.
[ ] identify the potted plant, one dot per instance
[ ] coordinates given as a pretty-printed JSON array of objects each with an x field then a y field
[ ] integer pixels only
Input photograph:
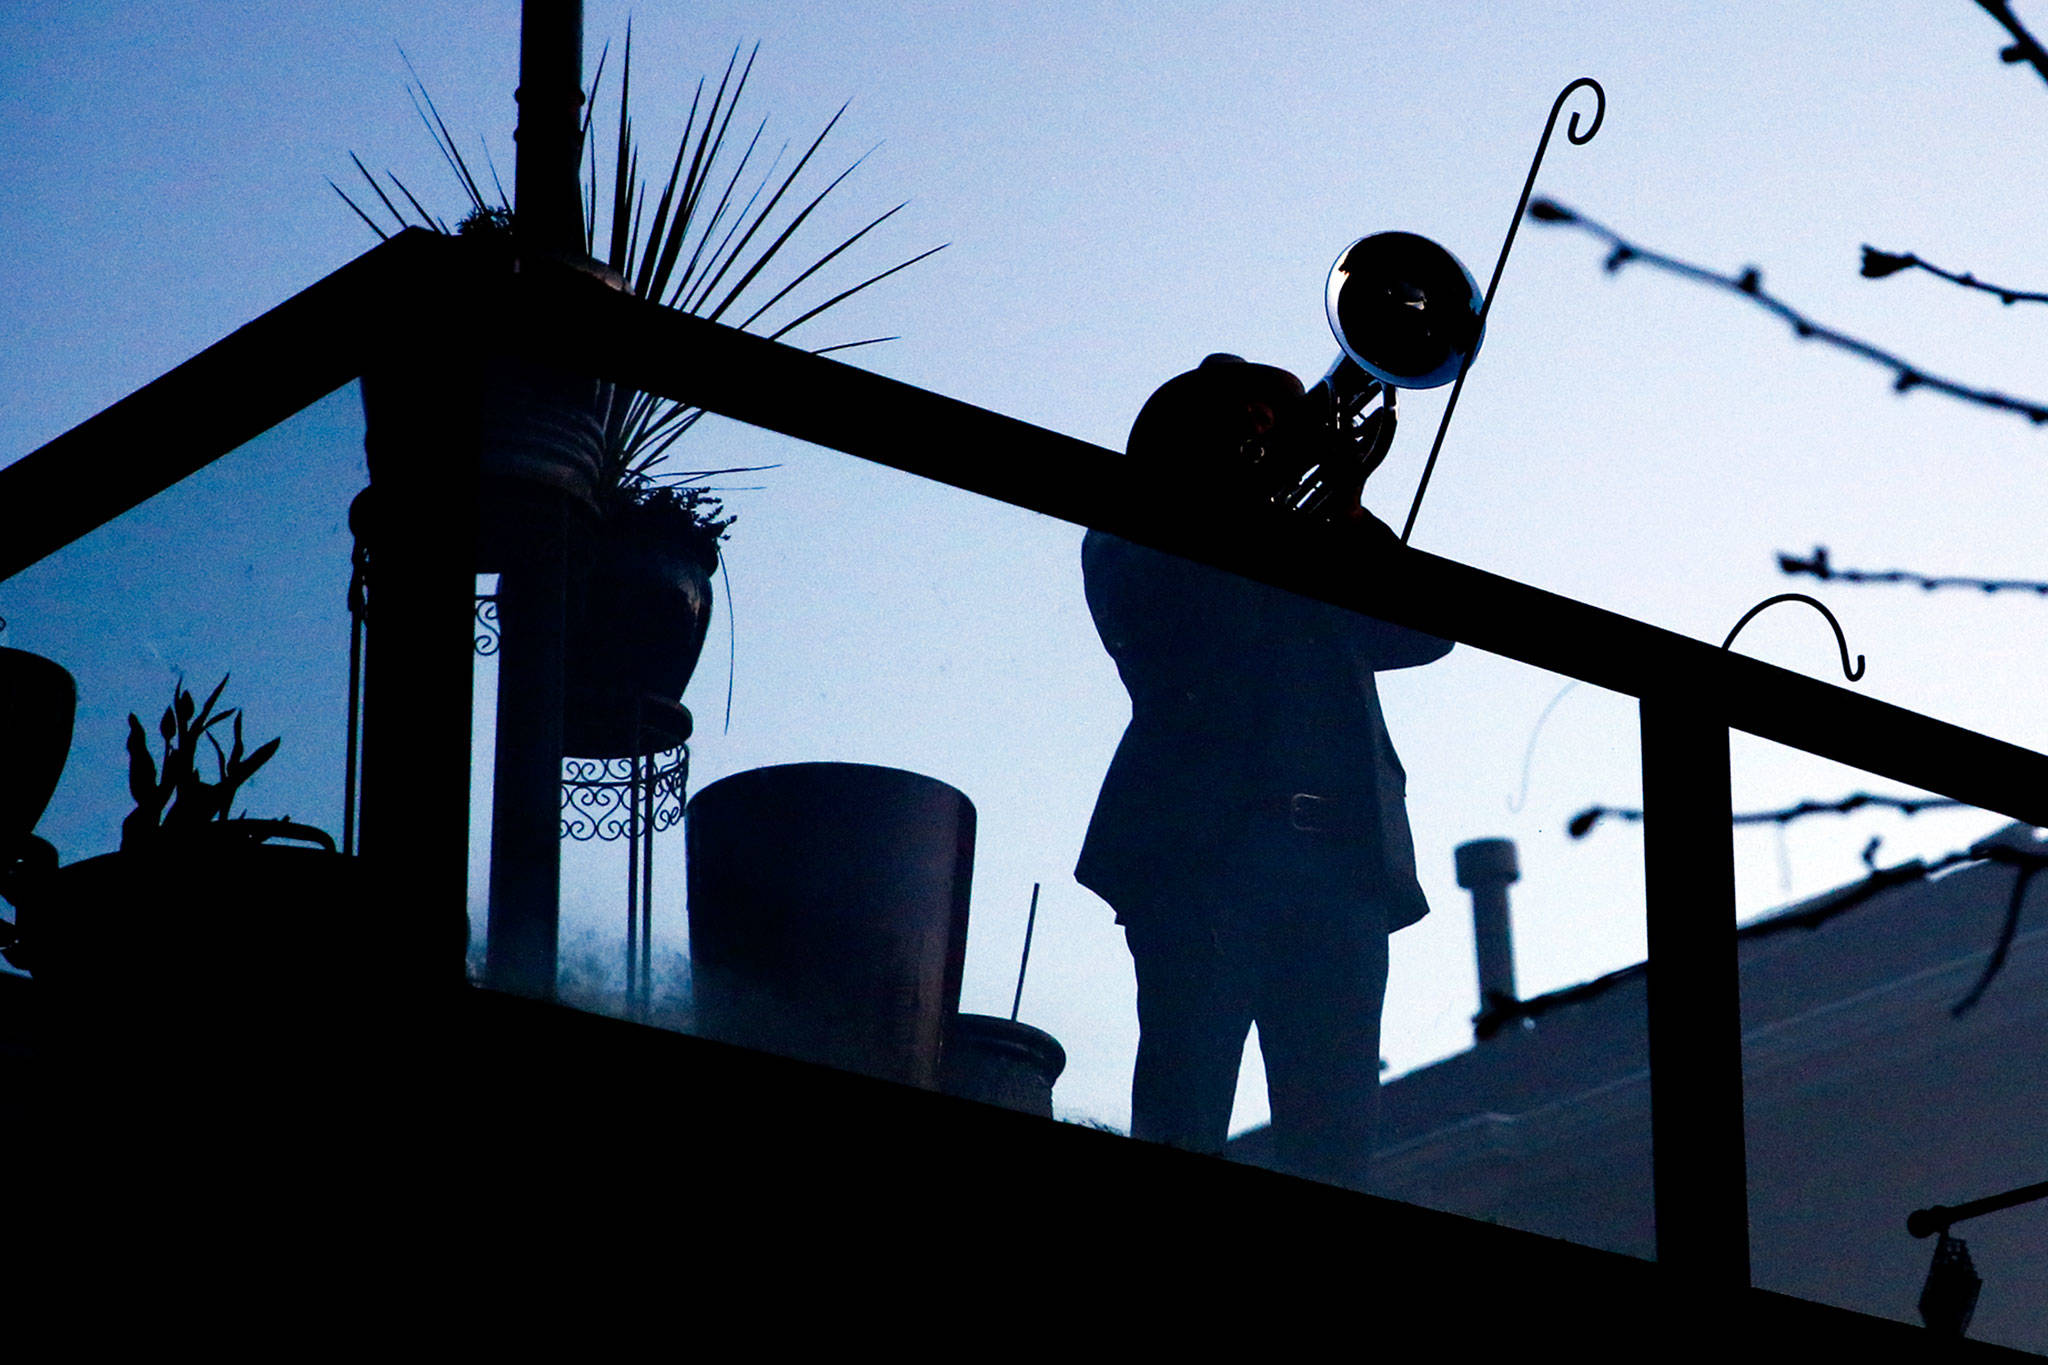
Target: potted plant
[
  {"x": 44, "y": 699},
  {"x": 712, "y": 243},
  {"x": 212, "y": 931}
]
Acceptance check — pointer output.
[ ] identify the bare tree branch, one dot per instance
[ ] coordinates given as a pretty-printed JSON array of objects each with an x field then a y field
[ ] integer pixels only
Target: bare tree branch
[
  {"x": 1582, "y": 824},
  {"x": 2026, "y": 862},
  {"x": 1878, "y": 264},
  {"x": 1749, "y": 284},
  {"x": 2023, "y": 47},
  {"x": 1820, "y": 567}
]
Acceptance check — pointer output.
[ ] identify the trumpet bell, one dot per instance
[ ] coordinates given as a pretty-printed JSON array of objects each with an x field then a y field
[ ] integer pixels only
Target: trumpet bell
[{"x": 1405, "y": 310}]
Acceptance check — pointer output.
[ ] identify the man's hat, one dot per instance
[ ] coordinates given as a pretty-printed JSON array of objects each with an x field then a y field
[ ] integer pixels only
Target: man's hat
[{"x": 1190, "y": 411}]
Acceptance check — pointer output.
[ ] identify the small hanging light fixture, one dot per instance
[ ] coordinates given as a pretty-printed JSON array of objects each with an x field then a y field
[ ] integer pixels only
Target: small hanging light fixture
[{"x": 1950, "y": 1295}]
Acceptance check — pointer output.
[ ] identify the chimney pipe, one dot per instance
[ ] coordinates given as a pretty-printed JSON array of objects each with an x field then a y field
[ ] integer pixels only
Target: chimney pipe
[{"x": 1486, "y": 868}]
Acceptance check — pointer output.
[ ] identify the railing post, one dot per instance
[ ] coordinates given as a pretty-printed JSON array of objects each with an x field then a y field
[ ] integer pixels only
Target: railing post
[
  {"x": 1695, "y": 1024},
  {"x": 526, "y": 803},
  {"x": 547, "y": 193},
  {"x": 422, "y": 444}
]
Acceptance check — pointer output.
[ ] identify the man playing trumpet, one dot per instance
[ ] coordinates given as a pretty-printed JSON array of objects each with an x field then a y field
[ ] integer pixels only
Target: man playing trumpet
[{"x": 1252, "y": 832}]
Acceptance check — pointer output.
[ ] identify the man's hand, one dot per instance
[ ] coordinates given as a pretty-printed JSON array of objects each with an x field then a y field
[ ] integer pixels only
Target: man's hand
[{"x": 1345, "y": 460}]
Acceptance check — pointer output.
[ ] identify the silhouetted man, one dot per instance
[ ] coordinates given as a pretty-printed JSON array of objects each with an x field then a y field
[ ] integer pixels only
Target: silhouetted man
[{"x": 1252, "y": 833}]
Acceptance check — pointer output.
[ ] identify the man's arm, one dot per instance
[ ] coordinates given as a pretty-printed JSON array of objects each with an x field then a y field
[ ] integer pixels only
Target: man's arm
[
  {"x": 1386, "y": 646},
  {"x": 1383, "y": 646}
]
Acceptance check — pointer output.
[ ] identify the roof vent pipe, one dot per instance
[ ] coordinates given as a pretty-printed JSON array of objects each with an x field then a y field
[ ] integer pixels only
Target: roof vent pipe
[{"x": 1486, "y": 868}]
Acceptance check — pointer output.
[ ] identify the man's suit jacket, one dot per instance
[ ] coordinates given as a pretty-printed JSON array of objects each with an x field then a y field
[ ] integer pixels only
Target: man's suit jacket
[{"x": 1241, "y": 696}]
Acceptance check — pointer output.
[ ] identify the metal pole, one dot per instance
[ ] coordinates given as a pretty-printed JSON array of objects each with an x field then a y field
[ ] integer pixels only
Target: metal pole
[
  {"x": 1030, "y": 923},
  {"x": 649, "y": 767},
  {"x": 526, "y": 805},
  {"x": 1695, "y": 1026},
  {"x": 633, "y": 863},
  {"x": 546, "y": 196},
  {"x": 417, "y": 687},
  {"x": 1925, "y": 1222},
  {"x": 533, "y": 589},
  {"x": 351, "y": 763}
]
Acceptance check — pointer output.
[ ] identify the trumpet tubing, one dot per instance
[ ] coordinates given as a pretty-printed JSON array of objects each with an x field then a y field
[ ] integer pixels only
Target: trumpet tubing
[{"x": 1406, "y": 315}]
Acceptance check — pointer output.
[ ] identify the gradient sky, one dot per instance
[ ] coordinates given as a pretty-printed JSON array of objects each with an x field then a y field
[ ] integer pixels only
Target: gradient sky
[{"x": 1125, "y": 189}]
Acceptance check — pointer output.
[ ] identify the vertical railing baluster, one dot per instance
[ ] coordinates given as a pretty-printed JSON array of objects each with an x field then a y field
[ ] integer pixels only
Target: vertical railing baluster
[
  {"x": 1695, "y": 1022},
  {"x": 417, "y": 662}
]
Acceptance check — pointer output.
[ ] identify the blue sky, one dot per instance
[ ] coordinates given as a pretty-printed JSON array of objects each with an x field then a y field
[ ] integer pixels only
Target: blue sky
[{"x": 1125, "y": 189}]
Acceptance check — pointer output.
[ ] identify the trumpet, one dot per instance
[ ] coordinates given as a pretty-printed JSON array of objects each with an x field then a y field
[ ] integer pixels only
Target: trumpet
[{"x": 1406, "y": 315}]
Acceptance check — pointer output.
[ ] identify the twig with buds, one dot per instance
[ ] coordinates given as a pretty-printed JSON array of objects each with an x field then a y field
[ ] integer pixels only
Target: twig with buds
[
  {"x": 1582, "y": 824},
  {"x": 2023, "y": 48},
  {"x": 1878, "y": 264},
  {"x": 1906, "y": 375},
  {"x": 1820, "y": 567}
]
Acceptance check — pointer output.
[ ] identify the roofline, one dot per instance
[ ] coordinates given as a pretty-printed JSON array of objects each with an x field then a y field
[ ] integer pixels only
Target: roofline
[{"x": 1810, "y": 913}]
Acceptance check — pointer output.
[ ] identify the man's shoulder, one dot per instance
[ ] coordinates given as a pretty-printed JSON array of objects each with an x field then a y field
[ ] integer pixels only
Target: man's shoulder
[
  {"x": 1103, "y": 553},
  {"x": 1101, "y": 549}
]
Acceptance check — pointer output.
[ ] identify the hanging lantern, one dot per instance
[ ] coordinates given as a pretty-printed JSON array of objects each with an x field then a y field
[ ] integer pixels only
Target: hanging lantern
[{"x": 1950, "y": 1296}]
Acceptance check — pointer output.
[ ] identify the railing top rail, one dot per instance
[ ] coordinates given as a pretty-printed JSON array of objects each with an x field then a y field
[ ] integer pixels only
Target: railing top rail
[{"x": 345, "y": 324}]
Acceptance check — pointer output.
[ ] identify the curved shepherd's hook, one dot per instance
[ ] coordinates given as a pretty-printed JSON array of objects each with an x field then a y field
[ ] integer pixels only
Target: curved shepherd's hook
[
  {"x": 1841, "y": 640},
  {"x": 1578, "y": 139}
]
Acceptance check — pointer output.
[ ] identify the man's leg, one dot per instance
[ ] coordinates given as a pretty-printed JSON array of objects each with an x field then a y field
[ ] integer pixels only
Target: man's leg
[
  {"x": 1323, "y": 984},
  {"x": 1194, "y": 1011}
]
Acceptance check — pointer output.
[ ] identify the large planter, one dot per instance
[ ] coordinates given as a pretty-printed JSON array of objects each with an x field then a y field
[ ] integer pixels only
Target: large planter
[
  {"x": 539, "y": 437},
  {"x": 226, "y": 964},
  {"x": 42, "y": 700},
  {"x": 637, "y": 633},
  {"x": 828, "y": 914},
  {"x": 539, "y": 431}
]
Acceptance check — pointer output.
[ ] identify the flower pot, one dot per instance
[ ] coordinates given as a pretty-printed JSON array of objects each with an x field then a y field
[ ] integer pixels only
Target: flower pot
[
  {"x": 42, "y": 700},
  {"x": 639, "y": 631},
  {"x": 540, "y": 439},
  {"x": 1002, "y": 1062},
  {"x": 828, "y": 914},
  {"x": 220, "y": 960},
  {"x": 540, "y": 431}
]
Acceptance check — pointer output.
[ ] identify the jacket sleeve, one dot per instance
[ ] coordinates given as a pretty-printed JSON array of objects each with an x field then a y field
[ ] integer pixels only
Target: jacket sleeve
[
  {"x": 1376, "y": 645},
  {"x": 1381, "y": 645}
]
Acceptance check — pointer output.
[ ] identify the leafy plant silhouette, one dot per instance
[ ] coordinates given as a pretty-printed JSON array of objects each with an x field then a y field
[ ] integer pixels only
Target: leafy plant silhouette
[{"x": 176, "y": 799}]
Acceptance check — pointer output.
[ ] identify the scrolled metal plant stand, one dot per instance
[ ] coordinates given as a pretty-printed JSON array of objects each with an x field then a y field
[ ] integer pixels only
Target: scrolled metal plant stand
[
  {"x": 358, "y": 602},
  {"x": 603, "y": 798},
  {"x": 486, "y": 642},
  {"x": 633, "y": 798}
]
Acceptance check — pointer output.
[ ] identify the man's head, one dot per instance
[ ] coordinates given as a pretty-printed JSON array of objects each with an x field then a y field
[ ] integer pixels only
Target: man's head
[{"x": 1196, "y": 424}]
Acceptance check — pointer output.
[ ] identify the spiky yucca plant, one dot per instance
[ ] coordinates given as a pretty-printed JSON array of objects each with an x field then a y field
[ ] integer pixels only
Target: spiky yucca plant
[{"x": 707, "y": 247}]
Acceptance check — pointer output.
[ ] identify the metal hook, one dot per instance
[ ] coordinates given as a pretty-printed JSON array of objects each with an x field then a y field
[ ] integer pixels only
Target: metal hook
[
  {"x": 1515, "y": 803},
  {"x": 1577, "y": 139},
  {"x": 1841, "y": 640},
  {"x": 1571, "y": 130}
]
